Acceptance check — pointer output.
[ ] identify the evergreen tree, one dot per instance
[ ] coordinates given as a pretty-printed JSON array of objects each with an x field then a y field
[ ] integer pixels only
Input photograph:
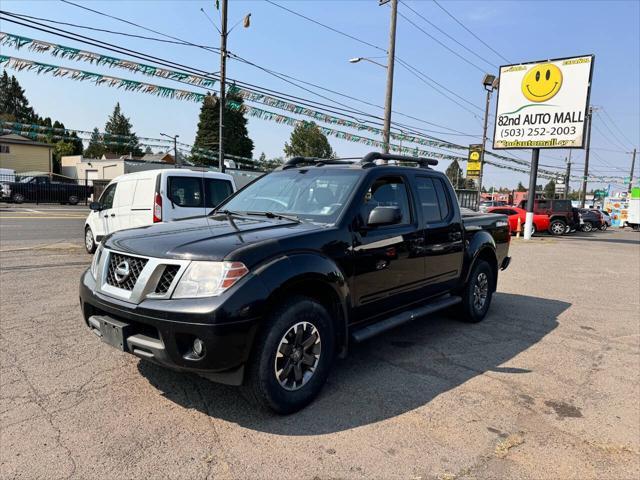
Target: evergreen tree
[
  {"x": 520, "y": 187},
  {"x": 96, "y": 147},
  {"x": 454, "y": 173},
  {"x": 236, "y": 136},
  {"x": 119, "y": 126},
  {"x": 308, "y": 141},
  {"x": 550, "y": 189},
  {"x": 14, "y": 106},
  {"x": 61, "y": 149},
  {"x": 148, "y": 151}
]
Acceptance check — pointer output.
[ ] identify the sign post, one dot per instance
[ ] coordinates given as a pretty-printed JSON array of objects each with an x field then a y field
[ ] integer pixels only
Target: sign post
[{"x": 542, "y": 105}]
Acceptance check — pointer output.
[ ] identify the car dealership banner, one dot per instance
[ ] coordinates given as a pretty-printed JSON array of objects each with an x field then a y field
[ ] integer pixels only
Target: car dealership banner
[{"x": 543, "y": 104}]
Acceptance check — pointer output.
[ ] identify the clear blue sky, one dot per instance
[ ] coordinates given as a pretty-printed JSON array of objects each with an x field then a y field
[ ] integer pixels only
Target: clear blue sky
[{"x": 519, "y": 31}]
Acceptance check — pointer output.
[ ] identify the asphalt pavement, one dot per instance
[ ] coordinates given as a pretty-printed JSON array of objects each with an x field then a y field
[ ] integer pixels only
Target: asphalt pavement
[{"x": 548, "y": 386}]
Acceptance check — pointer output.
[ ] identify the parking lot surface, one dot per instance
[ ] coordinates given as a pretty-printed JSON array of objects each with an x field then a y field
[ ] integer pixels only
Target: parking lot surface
[{"x": 548, "y": 386}]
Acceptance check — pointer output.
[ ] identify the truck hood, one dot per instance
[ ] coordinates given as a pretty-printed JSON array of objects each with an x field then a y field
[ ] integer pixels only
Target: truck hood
[{"x": 203, "y": 238}]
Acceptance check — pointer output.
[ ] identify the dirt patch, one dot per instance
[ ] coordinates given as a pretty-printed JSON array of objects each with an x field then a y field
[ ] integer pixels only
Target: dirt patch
[{"x": 564, "y": 410}]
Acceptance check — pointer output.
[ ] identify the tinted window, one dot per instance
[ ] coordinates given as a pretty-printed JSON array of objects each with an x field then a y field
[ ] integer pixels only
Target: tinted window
[
  {"x": 434, "y": 199},
  {"x": 185, "y": 191},
  {"x": 216, "y": 191},
  {"x": 388, "y": 192},
  {"x": 106, "y": 199},
  {"x": 443, "y": 198}
]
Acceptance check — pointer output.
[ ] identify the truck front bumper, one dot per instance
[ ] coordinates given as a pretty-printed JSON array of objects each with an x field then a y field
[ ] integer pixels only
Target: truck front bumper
[{"x": 164, "y": 332}]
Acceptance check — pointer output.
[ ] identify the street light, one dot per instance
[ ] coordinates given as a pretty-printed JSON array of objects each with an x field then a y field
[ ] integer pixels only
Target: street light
[
  {"x": 490, "y": 83},
  {"x": 175, "y": 146},
  {"x": 366, "y": 59}
]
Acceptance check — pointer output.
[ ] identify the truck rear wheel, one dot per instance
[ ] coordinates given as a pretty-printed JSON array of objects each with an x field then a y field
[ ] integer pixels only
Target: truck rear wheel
[
  {"x": 477, "y": 294},
  {"x": 293, "y": 356},
  {"x": 17, "y": 198},
  {"x": 557, "y": 227}
]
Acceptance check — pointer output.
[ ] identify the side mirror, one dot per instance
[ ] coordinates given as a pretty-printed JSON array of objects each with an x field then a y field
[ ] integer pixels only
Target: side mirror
[
  {"x": 380, "y": 216},
  {"x": 95, "y": 206}
]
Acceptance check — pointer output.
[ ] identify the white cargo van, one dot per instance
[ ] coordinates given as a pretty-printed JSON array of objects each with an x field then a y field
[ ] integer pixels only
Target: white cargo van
[{"x": 142, "y": 198}]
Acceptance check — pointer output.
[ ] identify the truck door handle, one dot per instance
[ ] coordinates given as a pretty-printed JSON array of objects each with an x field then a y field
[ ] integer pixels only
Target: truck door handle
[{"x": 113, "y": 214}]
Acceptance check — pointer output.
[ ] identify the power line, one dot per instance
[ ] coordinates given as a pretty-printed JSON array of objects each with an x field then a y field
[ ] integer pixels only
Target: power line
[
  {"x": 463, "y": 58},
  {"x": 272, "y": 72},
  {"x": 335, "y": 30},
  {"x": 471, "y": 32},
  {"x": 616, "y": 126},
  {"x": 609, "y": 138},
  {"x": 449, "y": 36}
]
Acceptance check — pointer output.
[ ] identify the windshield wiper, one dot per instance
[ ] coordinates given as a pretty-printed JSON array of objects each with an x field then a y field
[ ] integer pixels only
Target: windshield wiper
[{"x": 276, "y": 215}]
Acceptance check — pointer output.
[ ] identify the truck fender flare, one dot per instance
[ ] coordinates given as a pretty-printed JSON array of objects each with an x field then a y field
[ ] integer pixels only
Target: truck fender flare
[
  {"x": 482, "y": 241},
  {"x": 286, "y": 273}
]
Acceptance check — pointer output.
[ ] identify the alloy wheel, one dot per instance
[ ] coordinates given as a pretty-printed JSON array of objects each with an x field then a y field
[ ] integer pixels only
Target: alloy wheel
[
  {"x": 557, "y": 228},
  {"x": 297, "y": 356},
  {"x": 88, "y": 239},
  {"x": 480, "y": 291}
]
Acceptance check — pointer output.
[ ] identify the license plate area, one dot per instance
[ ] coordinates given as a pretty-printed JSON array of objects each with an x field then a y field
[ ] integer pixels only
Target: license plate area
[{"x": 114, "y": 332}]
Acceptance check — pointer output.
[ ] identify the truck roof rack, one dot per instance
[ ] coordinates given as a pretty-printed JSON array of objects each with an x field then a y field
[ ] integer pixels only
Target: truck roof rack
[{"x": 366, "y": 161}]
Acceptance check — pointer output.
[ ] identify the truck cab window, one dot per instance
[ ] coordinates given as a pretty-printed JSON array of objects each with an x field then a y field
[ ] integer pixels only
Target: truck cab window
[
  {"x": 107, "y": 196},
  {"x": 388, "y": 192}
]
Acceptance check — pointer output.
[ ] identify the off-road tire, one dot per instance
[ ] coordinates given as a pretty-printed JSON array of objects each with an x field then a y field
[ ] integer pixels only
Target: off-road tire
[
  {"x": 261, "y": 384},
  {"x": 557, "y": 227},
  {"x": 471, "y": 312}
]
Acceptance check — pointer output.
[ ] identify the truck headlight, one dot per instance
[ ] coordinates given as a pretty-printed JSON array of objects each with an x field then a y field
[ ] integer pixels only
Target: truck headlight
[
  {"x": 208, "y": 279},
  {"x": 95, "y": 262}
]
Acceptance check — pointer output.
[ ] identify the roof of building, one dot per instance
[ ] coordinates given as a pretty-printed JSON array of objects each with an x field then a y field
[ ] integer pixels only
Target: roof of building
[
  {"x": 15, "y": 139},
  {"x": 157, "y": 157}
]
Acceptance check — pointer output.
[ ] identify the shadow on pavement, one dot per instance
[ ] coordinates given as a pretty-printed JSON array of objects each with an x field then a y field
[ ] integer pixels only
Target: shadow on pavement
[
  {"x": 600, "y": 236},
  {"x": 388, "y": 375}
]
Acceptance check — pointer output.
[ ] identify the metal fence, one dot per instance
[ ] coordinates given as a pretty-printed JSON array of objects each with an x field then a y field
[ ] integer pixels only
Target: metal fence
[
  {"x": 468, "y": 199},
  {"x": 45, "y": 188}
]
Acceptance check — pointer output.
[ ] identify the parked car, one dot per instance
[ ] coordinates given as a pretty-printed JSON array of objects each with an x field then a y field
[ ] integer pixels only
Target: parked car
[
  {"x": 562, "y": 218},
  {"x": 486, "y": 205},
  {"x": 607, "y": 219},
  {"x": 45, "y": 188},
  {"x": 288, "y": 272},
  {"x": 591, "y": 219},
  {"x": 540, "y": 221},
  {"x": 153, "y": 196}
]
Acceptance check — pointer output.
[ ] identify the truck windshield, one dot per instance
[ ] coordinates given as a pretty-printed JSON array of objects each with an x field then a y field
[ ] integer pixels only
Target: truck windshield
[{"x": 314, "y": 195}]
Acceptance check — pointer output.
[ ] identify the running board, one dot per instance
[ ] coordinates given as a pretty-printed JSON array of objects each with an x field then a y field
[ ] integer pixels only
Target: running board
[{"x": 404, "y": 317}]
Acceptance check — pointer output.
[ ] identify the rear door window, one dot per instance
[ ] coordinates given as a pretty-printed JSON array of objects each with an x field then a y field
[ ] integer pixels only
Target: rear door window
[
  {"x": 443, "y": 199},
  {"x": 433, "y": 199},
  {"x": 185, "y": 191},
  {"x": 216, "y": 190}
]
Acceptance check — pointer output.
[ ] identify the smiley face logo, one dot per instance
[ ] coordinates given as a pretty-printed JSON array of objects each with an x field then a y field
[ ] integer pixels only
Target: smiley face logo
[
  {"x": 542, "y": 82},
  {"x": 475, "y": 156}
]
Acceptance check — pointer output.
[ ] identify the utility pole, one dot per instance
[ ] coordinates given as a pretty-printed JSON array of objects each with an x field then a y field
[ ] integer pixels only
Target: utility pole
[
  {"x": 633, "y": 164},
  {"x": 175, "y": 147},
  {"x": 484, "y": 143},
  {"x": 223, "y": 71},
  {"x": 386, "y": 131},
  {"x": 586, "y": 158},
  {"x": 531, "y": 195},
  {"x": 567, "y": 177}
]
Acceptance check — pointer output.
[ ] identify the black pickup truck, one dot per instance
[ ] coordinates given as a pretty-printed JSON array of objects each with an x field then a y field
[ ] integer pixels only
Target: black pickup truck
[
  {"x": 285, "y": 274},
  {"x": 45, "y": 189}
]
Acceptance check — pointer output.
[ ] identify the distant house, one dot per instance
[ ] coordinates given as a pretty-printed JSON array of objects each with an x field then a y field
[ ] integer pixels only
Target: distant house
[
  {"x": 24, "y": 155},
  {"x": 158, "y": 157}
]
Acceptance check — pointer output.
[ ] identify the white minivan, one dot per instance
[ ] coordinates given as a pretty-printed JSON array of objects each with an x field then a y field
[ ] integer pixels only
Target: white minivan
[{"x": 143, "y": 198}]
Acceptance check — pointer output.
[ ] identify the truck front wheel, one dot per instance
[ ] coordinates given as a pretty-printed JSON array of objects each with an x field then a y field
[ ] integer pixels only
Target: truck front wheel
[
  {"x": 476, "y": 297},
  {"x": 293, "y": 356}
]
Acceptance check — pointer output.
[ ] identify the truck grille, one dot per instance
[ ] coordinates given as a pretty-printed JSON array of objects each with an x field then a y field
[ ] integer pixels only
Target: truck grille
[
  {"x": 123, "y": 270},
  {"x": 168, "y": 275}
]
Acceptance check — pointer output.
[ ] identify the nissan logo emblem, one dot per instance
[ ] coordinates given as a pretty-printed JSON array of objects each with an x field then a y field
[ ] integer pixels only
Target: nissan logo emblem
[{"x": 122, "y": 271}]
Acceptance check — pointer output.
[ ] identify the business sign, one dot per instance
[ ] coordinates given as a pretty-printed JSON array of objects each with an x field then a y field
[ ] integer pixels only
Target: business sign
[
  {"x": 543, "y": 104},
  {"x": 473, "y": 161}
]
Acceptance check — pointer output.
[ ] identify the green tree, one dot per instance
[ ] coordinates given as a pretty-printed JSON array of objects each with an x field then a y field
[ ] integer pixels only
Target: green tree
[
  {"x": 61, "y": 149},
  {"x": 520, "y": 187},
  {"x": 307, "y": 140},
  {"x": 117, "y": 127},
  {"x": 236, "y": 135},
  {"x": 14, "y": 106},
  {"x": 96, "y": 146},
  {"x": 550, "y": 189},
  {"x": 455, "y": 175}
]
